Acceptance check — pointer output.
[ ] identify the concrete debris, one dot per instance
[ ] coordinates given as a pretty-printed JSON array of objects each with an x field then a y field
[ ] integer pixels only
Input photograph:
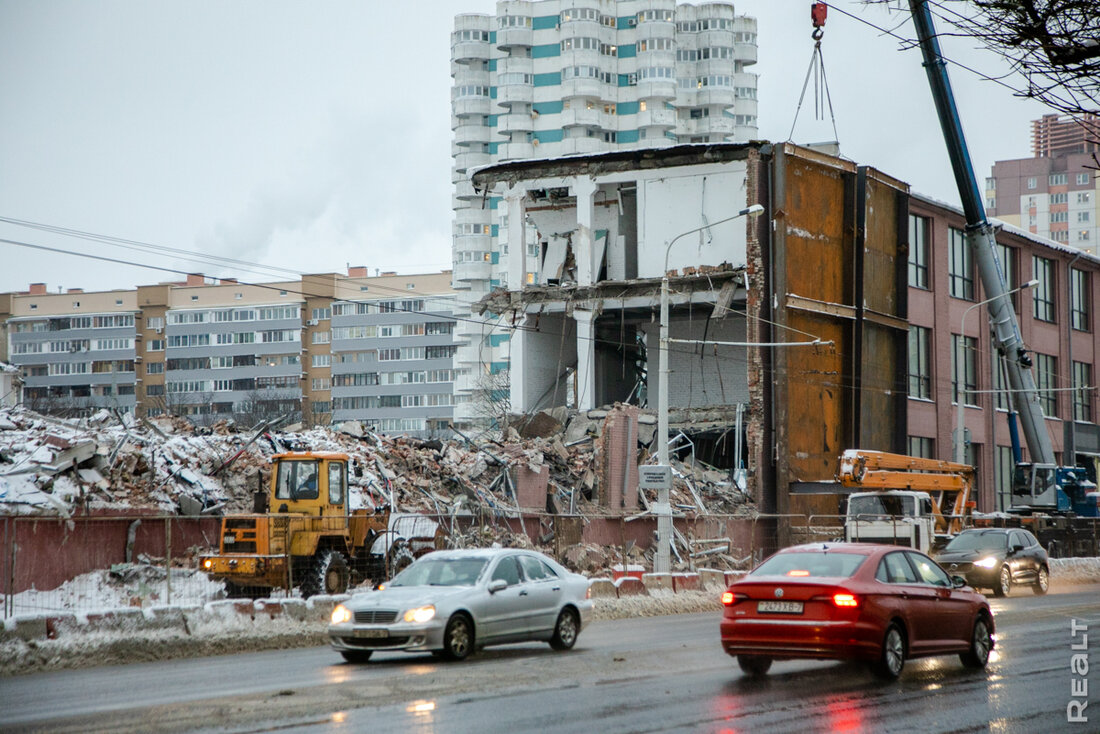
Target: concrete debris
[{"x": 557, "y": 462}]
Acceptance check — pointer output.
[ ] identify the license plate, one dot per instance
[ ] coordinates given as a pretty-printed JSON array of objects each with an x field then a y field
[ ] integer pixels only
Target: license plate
[
  {"x": 780, "y": 607},
  {"x": 229, "y": 539},
  {"x": 372, "y": 633}
]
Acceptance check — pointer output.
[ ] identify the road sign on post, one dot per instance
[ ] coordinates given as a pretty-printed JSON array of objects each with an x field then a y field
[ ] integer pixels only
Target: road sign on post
[{"x": 655, "y": 477}]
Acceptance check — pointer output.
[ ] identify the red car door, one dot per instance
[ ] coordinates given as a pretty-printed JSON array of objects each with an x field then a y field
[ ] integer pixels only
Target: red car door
[
  {"x": 917, "y": 601},
  {"x": 950, "y": 610}
]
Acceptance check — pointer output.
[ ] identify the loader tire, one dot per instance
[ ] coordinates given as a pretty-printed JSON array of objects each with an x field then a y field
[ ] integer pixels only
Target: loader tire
[
  {"x": 328, "y": 574},
  {"x": 399, "y": 558}
]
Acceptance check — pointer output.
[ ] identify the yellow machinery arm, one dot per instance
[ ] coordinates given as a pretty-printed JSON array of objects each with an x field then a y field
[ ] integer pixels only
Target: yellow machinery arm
[{"x": 946, "y": 482}]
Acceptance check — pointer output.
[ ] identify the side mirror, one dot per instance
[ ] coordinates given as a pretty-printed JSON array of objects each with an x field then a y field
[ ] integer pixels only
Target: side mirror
[
  {"x": 957, "y": 582},
  {"x": 1017, "y": 548},
  {"x": 497, "y": 585}
]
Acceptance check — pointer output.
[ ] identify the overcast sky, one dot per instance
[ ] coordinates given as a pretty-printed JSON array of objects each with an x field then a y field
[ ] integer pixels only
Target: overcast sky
[{"x": 310, "y": 136}]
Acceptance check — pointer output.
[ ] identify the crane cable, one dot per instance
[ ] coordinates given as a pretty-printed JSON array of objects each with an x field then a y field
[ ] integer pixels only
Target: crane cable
[{"x": 818, "y": 13}]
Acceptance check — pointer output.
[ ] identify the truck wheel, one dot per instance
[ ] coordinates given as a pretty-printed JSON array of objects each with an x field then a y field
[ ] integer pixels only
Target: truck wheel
[
  {"x": 328, "y": 574},
  {"x": 399, "y": 558}
]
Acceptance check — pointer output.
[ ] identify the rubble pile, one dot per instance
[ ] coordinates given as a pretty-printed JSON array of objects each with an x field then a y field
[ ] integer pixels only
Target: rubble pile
[{"x": 112, "y": 463}]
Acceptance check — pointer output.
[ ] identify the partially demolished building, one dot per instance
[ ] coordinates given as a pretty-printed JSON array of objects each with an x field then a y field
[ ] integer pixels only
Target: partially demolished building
[{"x": 790, "y": 330}]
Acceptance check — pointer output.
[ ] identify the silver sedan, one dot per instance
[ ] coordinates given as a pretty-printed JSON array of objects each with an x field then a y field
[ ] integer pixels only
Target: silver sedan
[{"x": 454, "y": 602}]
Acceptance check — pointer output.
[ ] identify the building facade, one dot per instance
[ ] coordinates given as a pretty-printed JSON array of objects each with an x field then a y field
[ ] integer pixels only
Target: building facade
[
  {"x": 547, "y": 78},
  {"x": 818, "y": 327},
  {"x": 326, "y": 348},
  {"x": 1057, "y": 318},
  {"x": 1054, "y": 194}
]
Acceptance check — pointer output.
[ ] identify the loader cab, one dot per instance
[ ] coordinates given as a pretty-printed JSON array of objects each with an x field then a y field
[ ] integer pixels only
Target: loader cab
[{"x": 309, "y": 483}]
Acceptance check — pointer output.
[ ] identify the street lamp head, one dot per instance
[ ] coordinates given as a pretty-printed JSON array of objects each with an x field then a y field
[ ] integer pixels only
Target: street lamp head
[
  {"x": 753, "y": 211},
  {"x": 1030, "y": 284}
]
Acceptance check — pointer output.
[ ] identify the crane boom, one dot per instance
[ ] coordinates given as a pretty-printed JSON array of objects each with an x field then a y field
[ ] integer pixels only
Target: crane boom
[{"x": 1041, "y": 488}]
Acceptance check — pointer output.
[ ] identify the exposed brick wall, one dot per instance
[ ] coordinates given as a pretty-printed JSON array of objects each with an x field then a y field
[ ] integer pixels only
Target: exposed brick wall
[{"x": 617, "y": 459}]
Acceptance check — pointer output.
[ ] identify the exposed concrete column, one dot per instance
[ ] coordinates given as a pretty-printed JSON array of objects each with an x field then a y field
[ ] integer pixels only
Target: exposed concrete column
[
  {"x": 517, "y": 363},
  {"x": 517, "y": 244},
  {"x": 584, "y": 188},
  {"x": 586, "y": 359}
]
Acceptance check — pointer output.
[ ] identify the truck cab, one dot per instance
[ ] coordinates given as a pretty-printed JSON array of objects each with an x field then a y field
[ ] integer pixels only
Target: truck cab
[{"x": 893, "y": 516}]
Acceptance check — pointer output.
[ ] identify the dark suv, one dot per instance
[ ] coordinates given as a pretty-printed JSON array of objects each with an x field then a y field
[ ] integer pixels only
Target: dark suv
[{"x": 997, "y": 559}]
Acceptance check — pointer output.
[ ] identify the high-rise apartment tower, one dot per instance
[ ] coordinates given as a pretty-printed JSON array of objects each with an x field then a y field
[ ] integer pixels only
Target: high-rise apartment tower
[{"x": 548, "y": 78}]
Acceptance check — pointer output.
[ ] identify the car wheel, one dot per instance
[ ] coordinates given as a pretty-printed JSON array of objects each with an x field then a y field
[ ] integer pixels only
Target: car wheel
[
  {"x": 356, "y": 656},
  {"x": 1042, "y": 581},
  {"x": 892, "y": 657},
  {"x": 458, "y": 638},
  {"x": 328, "y": 574},
  {"x": 565, "y": 631},
  {"x": 754, "y": 664},
  {"x": 981, "y": 642},
  {"x": 1004, "y": 582}
]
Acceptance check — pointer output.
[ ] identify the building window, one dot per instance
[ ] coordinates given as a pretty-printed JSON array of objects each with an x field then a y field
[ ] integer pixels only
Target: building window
[
  {"x": 1007, "y": 257},
  {"x": 320, "y": 314},
  {"x": 921, "y": 446},
  {"x": 1083, "y": 197},
  {"x": 1079, "y": 299},
  {"x": 918, "y": 251},
  {"x": 321, "y": 383},
  {"x": 1057, "y": 179},
  {"x": 1003, "y": 469},
  {"x": 154, "y": 368},
  {"x": 1046, "y": 380},
  {"x": 969, "y": 368},
  {"x": 1082, "y": 179},
  {"x": 1031, "y": 182},
  {"x": 961, "y": 266},
  {"x": 1082, "y": 392},
  {"x": 1042, "y": 295},
  {"x": 155, "y": 345},
  {"x": 320, "y": 337},
  {"x": 920, "y": 375},
  {"x": 321, "y": 360},
  {"x": 1083, "y": 216}
]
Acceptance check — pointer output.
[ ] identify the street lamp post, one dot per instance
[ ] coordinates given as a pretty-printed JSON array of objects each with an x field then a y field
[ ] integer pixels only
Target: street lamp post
[
  {"x": 663, "y": 508},
  {"x": 960, "y": 372}
]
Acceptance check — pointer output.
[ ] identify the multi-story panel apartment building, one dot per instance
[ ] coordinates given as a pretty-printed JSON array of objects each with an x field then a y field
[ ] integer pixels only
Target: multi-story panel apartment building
[
  {"x": 1055, "y": 193},
  {"x": 327, "y": 348},
  {"x": 545, "y": 78}
]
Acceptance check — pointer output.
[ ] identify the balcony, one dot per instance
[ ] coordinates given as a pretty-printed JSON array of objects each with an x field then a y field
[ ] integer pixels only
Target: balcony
[
  {"x": 583, "y": 145},
  {"x": 471, "y": 106},
  {"x": 466, "y": 161},
  {"x": 583, "y": 118},
  {"x": 472, "y": 271},
  {"x": 584, "y": 87},
  {"x": 657, "y": 118},
  {"x": 656, "y": 88},
  {"x": 719, "y": 96},
  {"x": 519, "y": 123},
  {"x": 471, "y": 134},
  {"x": 508, "y": 38},
  {"x": 514, "y": 94},
  {"x": 745, "y": 52},
  {"x": 466, "y": 51},
  {"x": 515, "y": 151},
  {"x": 464, "y": 190}
]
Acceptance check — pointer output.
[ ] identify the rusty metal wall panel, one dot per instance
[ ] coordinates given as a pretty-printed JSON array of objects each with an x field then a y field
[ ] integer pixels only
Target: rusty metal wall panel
[{"x": 838, "y": 255}]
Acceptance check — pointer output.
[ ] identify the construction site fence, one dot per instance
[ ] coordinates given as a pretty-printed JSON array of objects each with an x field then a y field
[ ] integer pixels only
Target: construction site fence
[{"x": 89, "y": 563}]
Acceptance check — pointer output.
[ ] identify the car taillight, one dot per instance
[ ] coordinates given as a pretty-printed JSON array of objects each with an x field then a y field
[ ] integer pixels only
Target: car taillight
[
  {"x": 844, "y": 599},
  {"x": 728, "y": 597}
]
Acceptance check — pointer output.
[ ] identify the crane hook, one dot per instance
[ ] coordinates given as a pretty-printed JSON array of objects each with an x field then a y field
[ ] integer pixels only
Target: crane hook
[{"x": 818, "y": 12}]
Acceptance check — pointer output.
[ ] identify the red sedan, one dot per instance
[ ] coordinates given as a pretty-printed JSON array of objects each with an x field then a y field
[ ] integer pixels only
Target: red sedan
[{"x": 853, "y": 601}]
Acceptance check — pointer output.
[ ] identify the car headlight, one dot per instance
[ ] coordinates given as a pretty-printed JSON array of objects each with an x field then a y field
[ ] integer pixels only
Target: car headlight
[
  {"x": 420, "y": 614},
  {"x": 341, "y": 614},
  {"x": 987, "y": 562}
]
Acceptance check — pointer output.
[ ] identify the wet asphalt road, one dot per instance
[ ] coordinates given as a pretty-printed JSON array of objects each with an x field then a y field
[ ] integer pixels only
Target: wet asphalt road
[{"x": 658, "y": 674}]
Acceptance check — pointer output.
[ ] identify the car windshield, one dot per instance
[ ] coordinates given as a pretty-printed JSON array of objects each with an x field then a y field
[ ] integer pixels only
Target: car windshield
[
  {"x": 810, "y": 564},
  {"x": 874, "y": 504},
  {"x": 978, "y": 541},
  {"x": 441, "y": 572}
]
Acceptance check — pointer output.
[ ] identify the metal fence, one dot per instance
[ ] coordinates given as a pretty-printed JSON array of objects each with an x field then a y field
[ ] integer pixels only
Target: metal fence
[{"x": 86, "y": 564}]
